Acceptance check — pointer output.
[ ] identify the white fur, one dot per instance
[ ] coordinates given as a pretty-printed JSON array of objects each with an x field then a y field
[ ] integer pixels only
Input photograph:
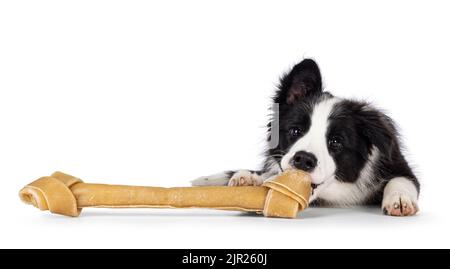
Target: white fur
[
  {"x": 219, "y": 179},
  {"x": 346, "y": 194},
  {"x": 400, "y": 197},
  {"x": 245, "y": 178},
  {"x": 315, "y": 142},
  {"x": 240, "y": 177},
  {"x": 401, "y": 185}
]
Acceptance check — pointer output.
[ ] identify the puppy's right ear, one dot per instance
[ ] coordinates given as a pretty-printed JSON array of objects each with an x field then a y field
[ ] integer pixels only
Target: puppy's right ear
[{"x": 303, "y": 80}]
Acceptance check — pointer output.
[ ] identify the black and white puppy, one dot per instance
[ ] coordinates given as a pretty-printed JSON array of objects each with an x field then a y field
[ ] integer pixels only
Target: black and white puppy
[{"x": 350, "y": 148}]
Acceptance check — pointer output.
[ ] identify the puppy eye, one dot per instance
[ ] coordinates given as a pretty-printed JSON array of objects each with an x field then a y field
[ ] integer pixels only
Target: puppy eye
[
  {"x": 295, "y": 131},
  {"x": 335, "y": 142}
]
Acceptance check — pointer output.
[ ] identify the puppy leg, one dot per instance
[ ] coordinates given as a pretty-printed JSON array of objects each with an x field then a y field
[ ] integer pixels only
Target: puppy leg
[
  {"x": 231, "y": 178},
  {"x": 253, "y": 178},
  {"x": 238, "y": 177},
  {"x": 246, "y": 178},
  {"x": 219, "y": 179},
  {"x": 400, "y": 197}
]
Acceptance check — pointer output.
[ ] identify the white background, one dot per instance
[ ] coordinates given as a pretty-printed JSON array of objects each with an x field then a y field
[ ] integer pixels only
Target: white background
[{"x": 160, "y": 92}]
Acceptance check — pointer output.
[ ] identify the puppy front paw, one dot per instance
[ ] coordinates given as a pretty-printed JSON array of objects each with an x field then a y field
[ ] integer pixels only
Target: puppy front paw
[
  {"x": 399, "y": 204},
  {"x": 245, "y": 178}
]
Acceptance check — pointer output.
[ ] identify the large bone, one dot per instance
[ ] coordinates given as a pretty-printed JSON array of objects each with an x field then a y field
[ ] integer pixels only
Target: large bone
[{"x": 63, "y": 194}]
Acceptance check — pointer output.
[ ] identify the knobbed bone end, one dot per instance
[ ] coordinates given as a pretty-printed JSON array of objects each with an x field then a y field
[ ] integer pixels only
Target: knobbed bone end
[
  {"x": 289, "y": 193},
  {"x": 52, "y": 193}
]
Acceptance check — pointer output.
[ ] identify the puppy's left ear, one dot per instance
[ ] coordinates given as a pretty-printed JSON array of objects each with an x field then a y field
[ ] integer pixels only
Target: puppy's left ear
[
  {"x": 378, "y": 129},
  {"x": 302, "y": 81}
]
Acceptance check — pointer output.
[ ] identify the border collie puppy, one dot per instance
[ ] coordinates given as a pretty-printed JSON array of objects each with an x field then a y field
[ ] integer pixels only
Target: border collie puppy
[{"x": 350, "y": 148}]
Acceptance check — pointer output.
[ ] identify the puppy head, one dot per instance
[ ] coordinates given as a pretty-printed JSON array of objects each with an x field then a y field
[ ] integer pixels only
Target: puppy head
[{"x": 326, "y": 136}]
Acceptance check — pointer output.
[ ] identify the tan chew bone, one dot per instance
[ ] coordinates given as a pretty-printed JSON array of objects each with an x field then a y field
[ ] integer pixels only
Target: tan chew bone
[{"x": 63, "y": 194}]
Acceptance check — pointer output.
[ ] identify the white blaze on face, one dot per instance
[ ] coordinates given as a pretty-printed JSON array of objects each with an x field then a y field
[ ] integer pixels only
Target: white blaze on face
[{"x": 315, "y": 142}]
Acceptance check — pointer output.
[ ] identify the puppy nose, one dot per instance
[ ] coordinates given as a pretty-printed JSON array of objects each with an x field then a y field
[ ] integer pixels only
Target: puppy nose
[{"x": 304, "y": 161}]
